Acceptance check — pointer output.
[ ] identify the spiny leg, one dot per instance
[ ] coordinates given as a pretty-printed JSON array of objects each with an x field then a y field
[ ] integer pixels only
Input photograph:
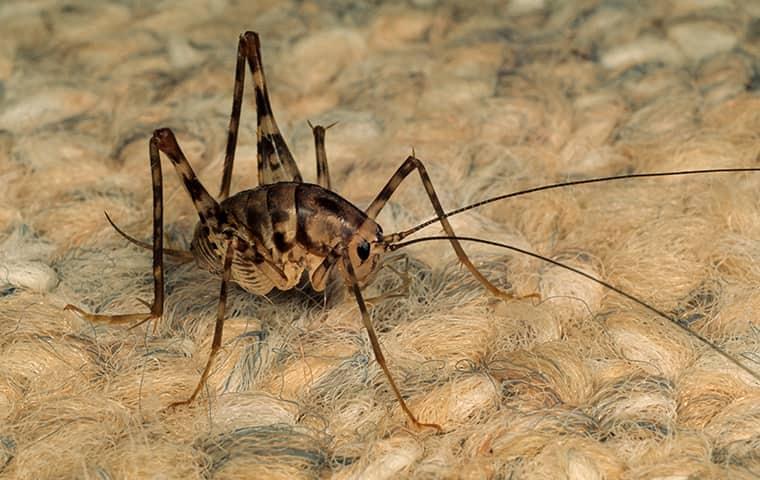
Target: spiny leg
[
  {"x": 413, "y": 163},
  {"x": 157, "y": 307},
  {"x": 323, "y": 173},
  {"x": 350, "y": 278},
  {"x": 216, "y": 342}
]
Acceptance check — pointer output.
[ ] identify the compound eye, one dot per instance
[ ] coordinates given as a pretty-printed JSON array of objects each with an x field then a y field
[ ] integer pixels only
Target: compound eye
[{"x": 363, "y": 250}]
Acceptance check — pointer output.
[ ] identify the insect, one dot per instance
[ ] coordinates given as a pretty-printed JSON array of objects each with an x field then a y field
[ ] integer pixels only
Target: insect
[{"x": 271, "y": 236}]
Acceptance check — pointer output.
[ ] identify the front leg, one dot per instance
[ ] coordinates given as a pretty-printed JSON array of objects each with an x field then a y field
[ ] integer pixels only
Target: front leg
[
  {"x": 410, "y": 164},
  {"x": 349, "y": 277}
]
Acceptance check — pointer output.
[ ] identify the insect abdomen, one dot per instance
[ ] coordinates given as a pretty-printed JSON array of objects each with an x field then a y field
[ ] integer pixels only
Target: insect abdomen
[
  {"x": 286, "y": 215},
  {"x": 291, "y": 224}
]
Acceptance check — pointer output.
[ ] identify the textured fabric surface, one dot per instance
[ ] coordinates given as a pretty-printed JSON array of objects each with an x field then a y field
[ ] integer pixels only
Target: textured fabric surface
[{"x": 493, "y": 97}]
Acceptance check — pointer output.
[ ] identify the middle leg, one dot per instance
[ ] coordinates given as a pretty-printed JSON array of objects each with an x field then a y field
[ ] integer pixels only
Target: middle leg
[
  {"x": 216, "y": 342},
  {"x": 208, "y": 210},
  {"x": 349, "y": 277}
]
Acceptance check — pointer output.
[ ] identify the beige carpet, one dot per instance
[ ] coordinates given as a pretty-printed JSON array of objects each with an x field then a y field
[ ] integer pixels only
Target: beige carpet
[{"x": 493, "y": 97}]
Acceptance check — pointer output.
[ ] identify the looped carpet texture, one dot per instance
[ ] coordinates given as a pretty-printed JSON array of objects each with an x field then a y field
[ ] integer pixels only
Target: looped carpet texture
[{"x": 493, "y": 97}]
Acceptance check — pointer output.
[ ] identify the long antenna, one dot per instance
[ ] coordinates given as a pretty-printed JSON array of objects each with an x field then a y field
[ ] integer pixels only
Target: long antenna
[
  {"x": 615, "y": 289},
  {"x": 398, "y": 236}
]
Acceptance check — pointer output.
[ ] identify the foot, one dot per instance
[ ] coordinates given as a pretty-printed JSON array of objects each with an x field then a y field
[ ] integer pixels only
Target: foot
[{"x": 123, "y": 318}]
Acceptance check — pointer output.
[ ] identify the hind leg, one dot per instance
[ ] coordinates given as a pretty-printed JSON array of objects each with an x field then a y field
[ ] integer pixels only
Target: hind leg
[
  {"x": 208, "y": 210},
  {"x": 275, "y": 162},
  {"x": 157, "y": 307}
]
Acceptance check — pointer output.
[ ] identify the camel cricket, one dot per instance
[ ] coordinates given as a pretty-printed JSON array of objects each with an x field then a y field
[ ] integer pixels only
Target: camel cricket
[{"x": 267, "y": 237}]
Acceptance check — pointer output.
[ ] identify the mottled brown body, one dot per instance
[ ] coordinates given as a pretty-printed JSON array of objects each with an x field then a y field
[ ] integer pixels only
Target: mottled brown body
[
  {"x": 267, "y": 237},
  {"x": 290, "y": 227}
]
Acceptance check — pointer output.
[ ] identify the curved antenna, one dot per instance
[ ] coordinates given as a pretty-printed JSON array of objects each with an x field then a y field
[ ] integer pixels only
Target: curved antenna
[
  {"x": 184, "y": 255},
  {"x": 615, "y": 289},
  {"x": 401, "y": 235}
]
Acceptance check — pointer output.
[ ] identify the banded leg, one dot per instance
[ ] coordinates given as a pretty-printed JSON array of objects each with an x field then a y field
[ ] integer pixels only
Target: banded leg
[
  {"x": 413, "y": 163},
  {"x": 157, "y": 307},
  {"x": 350, "y": 278},
  {"x": 232, "y": 129},
  {"x": 323, "y": 173},
  {"x": 208, "y": 210},
  {"x": 216, "y": 342},
  {"x": 275, "y": 162}
]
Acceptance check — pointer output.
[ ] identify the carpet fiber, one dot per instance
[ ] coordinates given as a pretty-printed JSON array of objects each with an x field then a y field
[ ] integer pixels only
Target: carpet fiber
[{"x": 493, "y": 97}]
